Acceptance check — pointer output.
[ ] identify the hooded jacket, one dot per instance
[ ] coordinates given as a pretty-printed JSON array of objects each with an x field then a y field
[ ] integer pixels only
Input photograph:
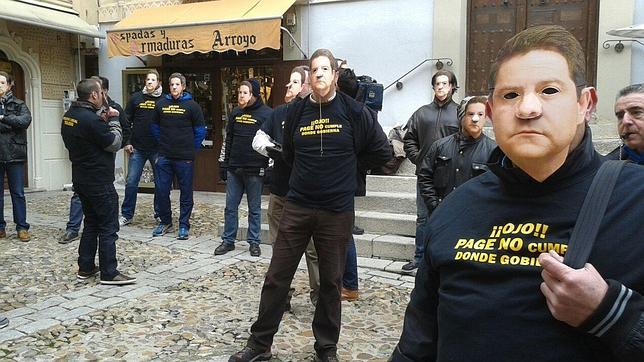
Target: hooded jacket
[
  {"x": 450, "y": 162},
  {"x": 240, "y": 131},
  {"x": 429, "y": 123},
  {"x": 140, "y": 111},
  {"x": 13, "y": 128},
  {"x": 178, "y": 125},
  {"x": 477, "y": 295}
]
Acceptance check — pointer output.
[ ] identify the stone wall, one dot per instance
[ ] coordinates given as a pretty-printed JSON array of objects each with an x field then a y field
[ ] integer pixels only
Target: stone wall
[{"x": 55, "y": 54}]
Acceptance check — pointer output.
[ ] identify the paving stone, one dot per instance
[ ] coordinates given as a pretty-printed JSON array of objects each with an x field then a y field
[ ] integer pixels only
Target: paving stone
[
  {"x": 384, "y": 274},
  {"x": 395, "y": 267},
  {"x": 18, "y": 312},
  {"x": 133, "y": 294},
  {"x": 38, "y": 325},
  {"x": 82, "y": 301},
  {"x": 212, "y": 267},
  {"x": 113, "y": 291},
  {"x": 48, "y": 303},
  {"x": 81, "y": 292},
  {"x": 408, "y": 285},
  {"x": 17, "y": 321},
  {"x": 50, "y": 312},
  {"x": 379, "y": 264},
  {"x": 10, "y": 334},
  {"x": 107, "y": 302},
  {"x": 408, "y": 278},
  {"x": 74, "y": 313},
  {"x": 386, "y": 280},
  {"x": 159, "y": 269}
]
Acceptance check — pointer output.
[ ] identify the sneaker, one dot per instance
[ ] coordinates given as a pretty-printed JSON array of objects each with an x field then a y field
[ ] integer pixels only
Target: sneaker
[
  {"x": 24, "y": 235},
  {"x": 119, "y": 279},
  {"x": 357, "y": 230},
  {"x": 183, "y": 234},
  {"x": 223, "y": 248},
  {"x": 254, "y": 250},
  {"x": 4, "y": 321},
  {"x": 68, "y": 237},
  {"x": 81, "y": 275},
  {"x": 249, "y": 354},
  {"x": 3, "y": 234},
  {"x": 410, "y": 267},
  {"x": 327, "y": 357},
  {"x": 124, "y": 221},
  {"x": 349, "y": 295},
  {"x": 162, "y": 229}
]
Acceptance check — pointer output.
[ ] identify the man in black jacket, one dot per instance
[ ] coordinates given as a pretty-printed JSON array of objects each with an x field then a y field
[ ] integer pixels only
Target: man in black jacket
[
  {"x": 92, "y": 134},
  {"x": 492, "y": 285},
  {"x": 429, "y": 123},
  {"x": 142, "y": 146},
  {"x": 454, "y": 159},
  {"x": 15, "y": 118},
  {"x": 324, "y": 137},
  {"x": 629, "y": 109}
]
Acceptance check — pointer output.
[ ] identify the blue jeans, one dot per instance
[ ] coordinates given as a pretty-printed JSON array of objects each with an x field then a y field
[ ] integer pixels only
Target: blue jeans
[
  {"x": 422, "y": 215},
  {"x": 350, "y": 276},
  {"x": 75, "y": 214},
  {"x": 134, "y": 170},
  {"x": 101, "y": 209},
  {"x": 237, "y": 183},
  {"x": 166, "y": 170},
  {"x": 16, "y": 176}
]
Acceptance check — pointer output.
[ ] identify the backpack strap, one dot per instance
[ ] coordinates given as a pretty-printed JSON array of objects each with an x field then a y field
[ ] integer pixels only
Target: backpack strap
[{"x": 591, "y": 214}]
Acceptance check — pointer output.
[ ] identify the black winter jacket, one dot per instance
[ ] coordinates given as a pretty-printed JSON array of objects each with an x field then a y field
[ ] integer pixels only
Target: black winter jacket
[
  {"x": 429, "y": 123},
  {"x": 140, "y": 112},
  {"x": 477, "y": 295},
  {"x": 13, "y": 129},
  {"x": 240, "y": 131},
  {"x": 450, "y": 162}
]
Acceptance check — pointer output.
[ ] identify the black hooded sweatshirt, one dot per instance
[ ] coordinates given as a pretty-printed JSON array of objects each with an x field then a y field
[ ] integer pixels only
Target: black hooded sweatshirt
[
  {"x": 240, "y": 131},
  {"x": 477, "y": 295}
]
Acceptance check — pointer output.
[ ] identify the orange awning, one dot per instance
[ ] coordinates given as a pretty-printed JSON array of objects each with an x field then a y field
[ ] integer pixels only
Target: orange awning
[{"x": 199, "y": 27}]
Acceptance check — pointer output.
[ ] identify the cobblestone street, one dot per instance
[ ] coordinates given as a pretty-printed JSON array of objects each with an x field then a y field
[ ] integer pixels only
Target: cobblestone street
[{"x": 187, "y": 304}]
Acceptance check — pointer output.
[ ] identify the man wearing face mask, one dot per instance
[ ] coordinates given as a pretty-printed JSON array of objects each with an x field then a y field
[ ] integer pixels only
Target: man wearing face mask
[
  {"x": 629, "y": 110},
  {"x": 142, "y": 147},
  {"x": 178, "y": 125},
  {"x": 428, "y": 124},
  {"x": 15, "y": 118},
  {"x": 92, "y": 134},
  {"x": 244, "y": 167},
  {"x": 454, "y": 159},
  {"x": 268, "y": 141},
  {"x": 325, "y": 135}
]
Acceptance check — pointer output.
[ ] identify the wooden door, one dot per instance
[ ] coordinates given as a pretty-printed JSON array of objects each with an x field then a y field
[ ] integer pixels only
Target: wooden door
[{"x": 492, "y": 22}]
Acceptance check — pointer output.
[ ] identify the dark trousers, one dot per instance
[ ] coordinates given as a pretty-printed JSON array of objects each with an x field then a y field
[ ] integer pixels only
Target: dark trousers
[
  {"x": 166, "y": 169},
  {"x": 16, "y": 178},
  {"x": 75, "y": 214},
  {"x": 101, "y": 209},
  {"x": 330, "y": 232}
]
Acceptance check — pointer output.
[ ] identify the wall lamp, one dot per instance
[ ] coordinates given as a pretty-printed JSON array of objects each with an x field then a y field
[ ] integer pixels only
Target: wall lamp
[{"x": 619, "y": 46}]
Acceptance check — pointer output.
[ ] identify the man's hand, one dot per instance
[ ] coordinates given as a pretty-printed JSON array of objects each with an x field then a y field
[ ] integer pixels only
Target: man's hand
[
  {"x": 572, "y": 295},
  {"x": 129, "y": 149},
  {"x": 111, "y": 112}
]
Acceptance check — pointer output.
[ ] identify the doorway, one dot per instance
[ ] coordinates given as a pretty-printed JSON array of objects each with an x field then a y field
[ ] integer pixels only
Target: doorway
[{"x": 15, "y": 70}]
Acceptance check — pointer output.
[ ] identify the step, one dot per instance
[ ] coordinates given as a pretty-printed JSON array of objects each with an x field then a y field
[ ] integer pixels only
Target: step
[
  {"x": 397, "y": 202},
  {"x": 392, "y": 247},
  {"x": 391, "y": 183}
]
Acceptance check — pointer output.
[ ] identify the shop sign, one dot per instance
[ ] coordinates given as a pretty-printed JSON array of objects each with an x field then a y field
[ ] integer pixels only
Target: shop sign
[{"x": 238, "y": 36}]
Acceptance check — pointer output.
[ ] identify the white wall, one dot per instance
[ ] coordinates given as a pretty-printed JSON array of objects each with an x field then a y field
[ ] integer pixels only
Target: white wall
[
  {"x": 54, "y": 158},
  {"x": 380, "y": 38},
  {"x": 637, "y": 56}
]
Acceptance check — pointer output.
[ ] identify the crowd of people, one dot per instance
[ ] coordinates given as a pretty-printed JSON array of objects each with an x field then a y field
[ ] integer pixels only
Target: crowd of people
[{"x": 493, "y": 216}]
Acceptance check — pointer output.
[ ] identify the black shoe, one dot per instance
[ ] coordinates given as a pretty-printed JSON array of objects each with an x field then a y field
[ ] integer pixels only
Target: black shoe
[
  {"x": 68, "y": 237},
  {"x": 410, "y": 267},
  {"x": 249, "y": 354},
  {"x": 82, "y": 275},
  {"x": 119, "y": 279},
  {"x": 254, "y": 250},
  {"x": 327, "y": 357},
  {"x": 223, "y": 248},
  {"x": 357, "y": 230}
]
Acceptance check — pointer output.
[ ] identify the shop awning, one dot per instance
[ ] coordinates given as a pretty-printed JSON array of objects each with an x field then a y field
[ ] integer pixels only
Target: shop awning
[
  {"x": 57, "y": 18},
  {"x": 633, "y": 31},
  {"x": 199, "y": 27}
]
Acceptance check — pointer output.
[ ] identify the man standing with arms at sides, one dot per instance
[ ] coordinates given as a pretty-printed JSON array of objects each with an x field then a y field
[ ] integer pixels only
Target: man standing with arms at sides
[
  {"x": 142, "y": 146},
  {"x": 268, "y": 141},
  {"x": 492, "y": 285},
  {"x": 15, "y": 118},
  {"x": 453, "y": 160},
  {"x": 324, "y": 136},
  {"x": 429, "y": 123},
  {"x": 179, "y": 127},
  {"x": 244, "y": 167},
  {"x": 629, "y": 110},
  {"x": 92, "y": 133}
]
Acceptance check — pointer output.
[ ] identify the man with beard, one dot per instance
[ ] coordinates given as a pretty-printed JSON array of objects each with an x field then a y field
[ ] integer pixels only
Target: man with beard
[
  {"x": 92, "y": 134},
  {"x": 324, "y": 136},
  {"x": 629, "y": 110},
  {"x": 429, "y": 123}
]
